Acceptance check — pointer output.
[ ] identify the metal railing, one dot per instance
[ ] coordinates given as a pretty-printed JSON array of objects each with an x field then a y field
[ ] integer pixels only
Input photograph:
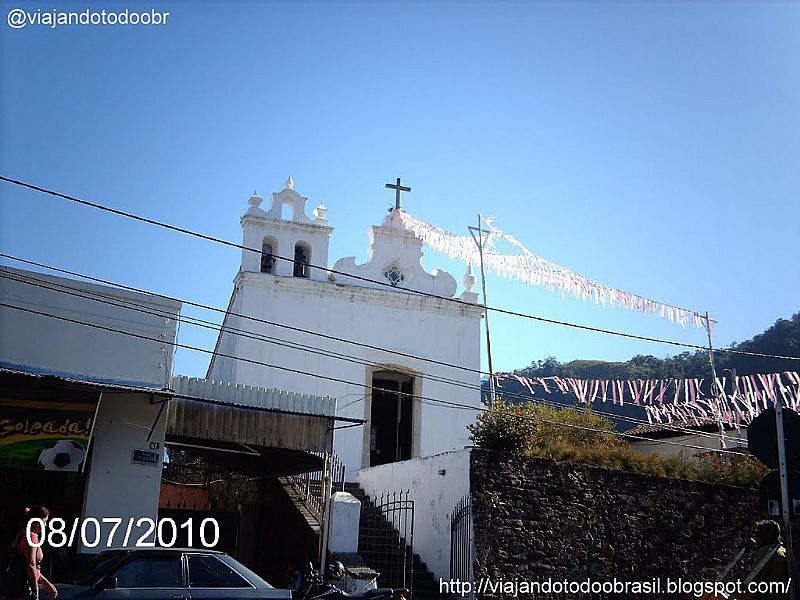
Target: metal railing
[
  {"x": 311, "y": 486},
  {"x": 386, "y": 539},
  {"x": 461, "y": 552}
]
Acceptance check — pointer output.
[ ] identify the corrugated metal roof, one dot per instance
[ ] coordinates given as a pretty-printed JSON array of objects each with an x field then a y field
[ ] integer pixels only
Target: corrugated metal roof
[
  {"x": 249, "y": 396},
  {"x": 214, "y": 392}
]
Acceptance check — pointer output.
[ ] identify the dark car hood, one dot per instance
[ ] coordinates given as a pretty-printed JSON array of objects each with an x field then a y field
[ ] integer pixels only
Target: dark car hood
[{"x": 68, "y": 590}]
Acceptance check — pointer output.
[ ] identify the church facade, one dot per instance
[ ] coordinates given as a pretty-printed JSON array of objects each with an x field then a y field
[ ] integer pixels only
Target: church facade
[{"x": 399, "y": 359}]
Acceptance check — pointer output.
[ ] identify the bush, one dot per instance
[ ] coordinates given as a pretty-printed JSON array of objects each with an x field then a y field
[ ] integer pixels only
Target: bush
[
  {"x": 572, "y": 435},
  {"x": 735, "y": 470},
  {"x": 505, "y": 427},
  {"x": 522, "y": 428}
]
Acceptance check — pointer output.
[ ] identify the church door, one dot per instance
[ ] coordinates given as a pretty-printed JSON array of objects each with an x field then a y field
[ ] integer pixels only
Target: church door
[{"x": 391, "y": 418}]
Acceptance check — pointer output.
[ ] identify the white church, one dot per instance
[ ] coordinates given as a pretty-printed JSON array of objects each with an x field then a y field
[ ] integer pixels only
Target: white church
[{"x": 388, "y": 355}]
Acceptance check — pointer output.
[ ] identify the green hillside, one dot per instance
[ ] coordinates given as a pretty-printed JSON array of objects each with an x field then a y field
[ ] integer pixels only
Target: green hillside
[{"x": 783, "y": 338}]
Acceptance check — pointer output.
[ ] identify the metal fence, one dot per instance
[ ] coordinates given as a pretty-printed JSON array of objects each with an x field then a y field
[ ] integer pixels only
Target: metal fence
[
  {"x": 461, "y": 552},
  {"x": 311, "y": 485},
  {"x": 386, "y": 539}
]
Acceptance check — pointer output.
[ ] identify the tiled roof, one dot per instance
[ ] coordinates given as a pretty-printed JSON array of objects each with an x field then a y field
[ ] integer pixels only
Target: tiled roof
[{"x": 676, "y": 428}]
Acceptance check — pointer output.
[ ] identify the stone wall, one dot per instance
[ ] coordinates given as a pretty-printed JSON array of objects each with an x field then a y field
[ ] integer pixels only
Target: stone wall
[{"x": 536, "y": 519}]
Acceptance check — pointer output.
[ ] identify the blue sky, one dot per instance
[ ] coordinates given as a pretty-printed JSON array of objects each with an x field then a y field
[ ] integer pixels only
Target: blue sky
[{"x": 652, "y": 146}]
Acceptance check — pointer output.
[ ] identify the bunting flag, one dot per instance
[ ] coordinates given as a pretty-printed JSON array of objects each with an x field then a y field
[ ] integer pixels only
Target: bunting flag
[
  {"x": 529, "y": 268},
  {"x": 733, "y": 401}
]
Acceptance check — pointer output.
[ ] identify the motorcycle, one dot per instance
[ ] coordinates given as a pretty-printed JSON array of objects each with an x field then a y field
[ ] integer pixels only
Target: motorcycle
[{"x": 317, "y": 588}]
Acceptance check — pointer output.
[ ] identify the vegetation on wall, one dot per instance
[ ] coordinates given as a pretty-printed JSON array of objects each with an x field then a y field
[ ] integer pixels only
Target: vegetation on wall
[{"x": 572, "y": 435}]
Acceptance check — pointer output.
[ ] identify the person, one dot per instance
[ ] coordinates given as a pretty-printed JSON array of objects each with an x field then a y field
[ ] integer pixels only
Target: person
[
  {"x": 294, "y": 578},
  {"x": 30, "y": 554},
  {"x": 772, "y": 554}
]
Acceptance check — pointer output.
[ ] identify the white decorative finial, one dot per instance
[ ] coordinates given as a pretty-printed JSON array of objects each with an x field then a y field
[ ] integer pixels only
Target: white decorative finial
[
  {"x": 255, "y": 199},
  {"x": 290, "y": 183},
  {"x": 469, "y": 279},
  {"x": 321, "y": 211}
]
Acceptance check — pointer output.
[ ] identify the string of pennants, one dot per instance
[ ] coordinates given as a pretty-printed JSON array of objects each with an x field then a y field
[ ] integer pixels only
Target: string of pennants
[
  {"x": 531, "y": 269},
  {"x": 667, "y": 400}
]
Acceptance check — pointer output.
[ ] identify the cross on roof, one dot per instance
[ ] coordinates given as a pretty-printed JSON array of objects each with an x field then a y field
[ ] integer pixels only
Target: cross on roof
[{"x": 397, "y": 188}]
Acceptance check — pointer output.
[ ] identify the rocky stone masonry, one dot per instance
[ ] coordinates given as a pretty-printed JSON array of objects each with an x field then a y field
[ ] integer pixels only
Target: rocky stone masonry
[{"x": 535, "y": 519}]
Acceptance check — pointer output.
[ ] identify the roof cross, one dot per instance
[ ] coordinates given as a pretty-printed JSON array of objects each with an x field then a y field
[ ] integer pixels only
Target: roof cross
[{"x": 398, "y": 189}]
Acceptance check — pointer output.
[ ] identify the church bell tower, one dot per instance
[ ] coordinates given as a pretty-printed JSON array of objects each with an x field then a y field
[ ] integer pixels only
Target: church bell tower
[{"x": 282, "y": 232}]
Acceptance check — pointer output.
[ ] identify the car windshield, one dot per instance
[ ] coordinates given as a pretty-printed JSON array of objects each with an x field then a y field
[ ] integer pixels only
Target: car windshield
[
  {"x": 244, "y": 571},
  {"x": 97, "y": 567}
]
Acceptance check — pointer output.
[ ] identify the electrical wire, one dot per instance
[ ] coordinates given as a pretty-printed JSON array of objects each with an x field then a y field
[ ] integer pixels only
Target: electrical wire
[
  {"x": 108, "y": 300},
  {"x": 228, "y": 243},
  {"x": 233, "y": 331},
  {"x": 218, "y": 240},
  {"x": 423, "y": 399},
  {"x": 356, "y": 401},
  {"x": 241, "y": 315}
]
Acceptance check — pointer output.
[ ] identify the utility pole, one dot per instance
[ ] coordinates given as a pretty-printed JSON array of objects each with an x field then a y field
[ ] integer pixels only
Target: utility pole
[
  {"x": 479, "y": 241},
  {"x": 714, "y": 382},
  {"x": 787, "y": 526},
  {"x": 733, "y": 400},
  {"x": 325, "y": 530}
]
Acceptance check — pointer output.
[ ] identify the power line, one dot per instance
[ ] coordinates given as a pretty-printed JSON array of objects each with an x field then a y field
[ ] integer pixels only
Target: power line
[
  {"x": 108, "y": 300},
  {"x": 620, "y": 417},
  {"x": 243, "y": 316},
  {"x": 228, "y": 243},
  {"x": 235, "y": 331},
  {"x": 312, "y": 349},
  {"x": 345, "y": 357},
  {"x": 424, "y": 399}
]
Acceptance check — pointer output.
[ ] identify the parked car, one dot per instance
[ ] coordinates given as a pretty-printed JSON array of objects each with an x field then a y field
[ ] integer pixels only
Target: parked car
[{"x": 169, "y": 574}]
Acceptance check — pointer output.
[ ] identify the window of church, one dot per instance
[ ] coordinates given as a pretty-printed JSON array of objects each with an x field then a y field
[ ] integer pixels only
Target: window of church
[
  {"x": 394, "y": 275},
  {"x": 301, "y": 260},
  {"x": 267, "y": 257}
]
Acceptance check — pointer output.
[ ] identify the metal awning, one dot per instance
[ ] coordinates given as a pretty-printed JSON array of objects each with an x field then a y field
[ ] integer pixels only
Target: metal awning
[
  {"x": 250, "y": 459},
  {"x": 205, "y": 409},
  {"x": 226, "y": 422},
  {"x": 211, "y": 411}
]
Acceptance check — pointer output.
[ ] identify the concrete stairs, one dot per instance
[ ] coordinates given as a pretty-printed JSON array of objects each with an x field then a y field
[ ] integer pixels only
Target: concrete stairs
[
  {"x": 299, "y": 503},
  {"x": 382, "y": 548}
]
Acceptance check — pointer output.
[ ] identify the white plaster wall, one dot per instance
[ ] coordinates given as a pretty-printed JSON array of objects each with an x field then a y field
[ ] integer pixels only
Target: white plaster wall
[
  {"x": 392, "y": 246},
  {"x": 398, "y": 321},
  {"x": 345, "y": 518},
  {"x": 677, "y": 446},
  {"x": 41, "y": 343},
  {"x": 226, "y": 369},
  {"x": 285, "y": 235},
  {"x": 116, "y": 487},
  {"x": 434, "y": 497}
]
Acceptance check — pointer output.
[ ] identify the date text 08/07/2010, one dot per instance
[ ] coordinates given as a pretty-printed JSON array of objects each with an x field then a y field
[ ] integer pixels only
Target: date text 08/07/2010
[{"x": 143, "y": 532}]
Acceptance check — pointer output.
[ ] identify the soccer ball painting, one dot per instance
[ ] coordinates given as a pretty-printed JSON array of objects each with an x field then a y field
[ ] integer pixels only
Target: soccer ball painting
[{"x": 64, "y": 456}]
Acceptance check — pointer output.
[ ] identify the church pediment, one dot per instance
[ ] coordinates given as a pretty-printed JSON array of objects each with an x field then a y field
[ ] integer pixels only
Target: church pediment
[
  {"x": 296, "y": 204},
  {"x": 395, "y": 257}
]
